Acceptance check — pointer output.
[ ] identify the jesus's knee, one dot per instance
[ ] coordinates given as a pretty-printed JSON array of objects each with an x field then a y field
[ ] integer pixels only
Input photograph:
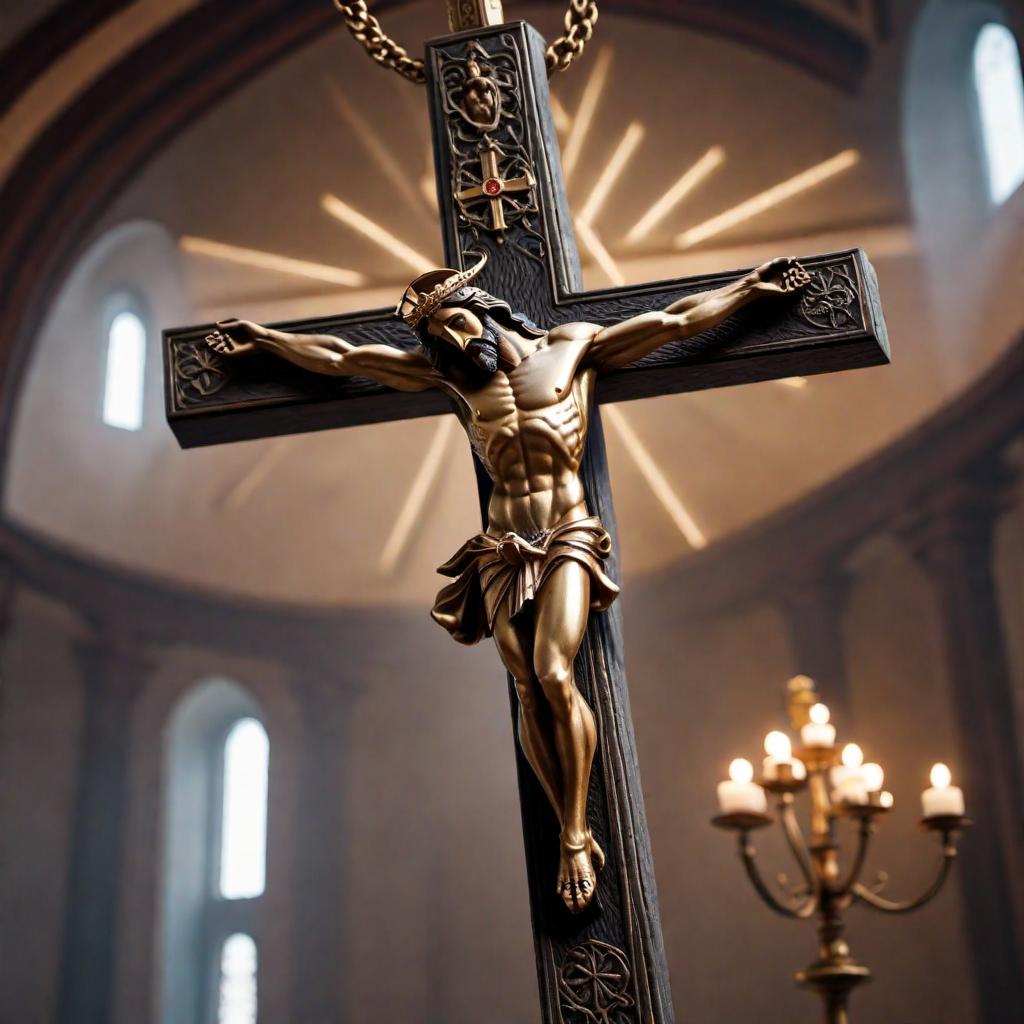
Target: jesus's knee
[
  {"x": 555, "y": 676},
  {"x": 526, "y": 690}
]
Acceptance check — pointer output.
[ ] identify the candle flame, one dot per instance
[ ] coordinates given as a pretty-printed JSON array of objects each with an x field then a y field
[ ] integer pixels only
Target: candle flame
[
  {"x": 873, "y": 777},
  {"x": 741, "y": 770},
  {"x": 885, "y": 799},
  {"x": 819, "y": 714},
  {"x": 941, "y": 776},
  {"x": 777, "y": 745},
  {"x": 853, "y": 756}
]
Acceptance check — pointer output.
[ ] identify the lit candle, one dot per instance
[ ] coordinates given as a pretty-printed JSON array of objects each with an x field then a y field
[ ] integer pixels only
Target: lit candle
[
  {"x": 942, "y": 800},
  {"x": 848, "y": 778},
  {"x": 818, "y": 732},
  {"x": 852, "y": 758},
  {"x": 780, "y": 753},
  {"x": 873, "y": 776},
  {"x": 739, "y": 794}
]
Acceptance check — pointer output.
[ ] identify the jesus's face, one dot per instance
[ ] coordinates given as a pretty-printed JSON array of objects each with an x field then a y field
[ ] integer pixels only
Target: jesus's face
[{"x": 463, "y": 329}]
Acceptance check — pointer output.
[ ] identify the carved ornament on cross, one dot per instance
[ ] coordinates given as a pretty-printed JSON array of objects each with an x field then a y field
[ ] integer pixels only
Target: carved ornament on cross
[{"x": 493, "y": 187}]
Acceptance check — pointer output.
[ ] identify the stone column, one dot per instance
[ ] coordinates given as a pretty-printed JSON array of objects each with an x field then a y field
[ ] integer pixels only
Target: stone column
[
  {"x": 321, "y": 861},
  {"x": 113, "y": 669},
  {"x": 952, "y": 538},
  {"x": 812, "y": 602}
]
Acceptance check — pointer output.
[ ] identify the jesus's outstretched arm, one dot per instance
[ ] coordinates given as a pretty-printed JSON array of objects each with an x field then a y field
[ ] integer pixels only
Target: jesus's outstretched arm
[
  {"x": 624, "y": 343},
  {"x": 327, "y": 354}
]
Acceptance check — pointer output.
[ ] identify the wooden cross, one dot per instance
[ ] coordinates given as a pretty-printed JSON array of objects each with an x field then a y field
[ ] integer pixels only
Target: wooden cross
[{"x": 605, "y": 965}]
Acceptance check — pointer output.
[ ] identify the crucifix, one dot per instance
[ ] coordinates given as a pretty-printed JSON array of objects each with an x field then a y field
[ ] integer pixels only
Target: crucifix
[{"x": 505, "y": 338}]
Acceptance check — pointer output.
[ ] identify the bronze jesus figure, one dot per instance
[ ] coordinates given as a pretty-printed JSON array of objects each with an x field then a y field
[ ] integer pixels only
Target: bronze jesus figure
[{"x": 524, "y": 396}]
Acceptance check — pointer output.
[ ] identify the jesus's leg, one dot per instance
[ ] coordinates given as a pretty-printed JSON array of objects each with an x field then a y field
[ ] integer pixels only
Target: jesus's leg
[
  {"x": 515, "y": 645},
  {"x": 563, "y": 607}
]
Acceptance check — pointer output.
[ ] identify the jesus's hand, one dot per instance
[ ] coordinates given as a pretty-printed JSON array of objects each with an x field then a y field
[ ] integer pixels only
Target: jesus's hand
[
  {"x": 780, "y": 276},
  {"x": 236, "y": 337}
]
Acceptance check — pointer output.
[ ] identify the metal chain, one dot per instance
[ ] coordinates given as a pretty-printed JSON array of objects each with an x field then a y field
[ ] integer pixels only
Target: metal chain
[
  {"x": 380, "y": 46},
  {"x": 580, "y": 20}
]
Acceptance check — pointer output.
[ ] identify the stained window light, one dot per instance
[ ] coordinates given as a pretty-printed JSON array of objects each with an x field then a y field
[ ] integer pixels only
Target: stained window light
[
  {"x": 126, "y": 366},
  {"x": 236, "y": 1003},
  {"x": 244, "y": 811},
  {"x": 1000, "y": 88}
]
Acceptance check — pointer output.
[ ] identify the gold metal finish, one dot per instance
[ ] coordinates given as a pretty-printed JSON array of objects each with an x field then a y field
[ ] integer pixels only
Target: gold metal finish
[
  {"x": 428, "y": 292},
  {"x": 465, "y": 14},
  {"x": 824, "y": 891},
  {"x": 800, "y": 699},
  {"x": 580, "y": 20},
  {"x": 366, "y": 30},
  {"x": 493, "y": 186},
  {"x": 524, "y": 396}
]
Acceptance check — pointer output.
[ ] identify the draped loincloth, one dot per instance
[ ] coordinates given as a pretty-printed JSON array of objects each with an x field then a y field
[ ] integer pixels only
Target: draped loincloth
[{"x": 511, "y": 569}]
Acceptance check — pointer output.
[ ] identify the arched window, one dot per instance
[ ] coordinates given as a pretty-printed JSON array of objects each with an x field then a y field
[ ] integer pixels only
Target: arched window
[
  {"x": 241, "y": 874},
  {"x": 126, "y": 368},
  {"x": 214, "y": 857},
  {"x": 1000, "y": 89},
  {"x": 244, "y": 811},
  {"x": 236, "y": 1002}
]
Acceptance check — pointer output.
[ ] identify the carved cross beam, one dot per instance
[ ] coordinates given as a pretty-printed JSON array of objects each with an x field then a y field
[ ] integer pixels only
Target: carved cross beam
[{"x": 835, "y": 325}]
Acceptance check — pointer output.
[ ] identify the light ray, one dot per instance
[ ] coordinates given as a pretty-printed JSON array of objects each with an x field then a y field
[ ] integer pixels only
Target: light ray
[
  {"x": 585, "y": 114},
  {"x": 612, "y": 172},
  {"x": 270, "y": 261},
  {"x": 602, "y": 257},
  {"x": 710, "y": 161},
  {"x": 375, "y": 233},
  {"x": 559, "y": 114},
  {"x": 385, "y": 159},
  {"x": 651, "y": 472},
  {"x": 252, "y": 479},
  {"x": 428, "y": 183},
  {"x": 417, "y": 496},
  {"x": 770, "y": 197}
]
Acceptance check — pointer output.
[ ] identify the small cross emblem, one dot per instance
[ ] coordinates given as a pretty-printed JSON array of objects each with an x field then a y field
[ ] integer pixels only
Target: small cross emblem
[{"x": 493, "y": 186}]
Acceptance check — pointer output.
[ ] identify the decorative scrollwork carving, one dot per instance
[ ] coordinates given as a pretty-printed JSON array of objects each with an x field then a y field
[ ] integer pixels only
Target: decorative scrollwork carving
[
  {"x": 593, "y": 984},
  {"x": 493, "y": 177},
  {"x": 198, "y": 372},
  {"x": 830, "y": 299}
]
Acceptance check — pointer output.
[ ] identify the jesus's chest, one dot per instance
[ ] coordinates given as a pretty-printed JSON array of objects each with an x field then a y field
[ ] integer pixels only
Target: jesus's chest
[{"x": 544, "y": 381}]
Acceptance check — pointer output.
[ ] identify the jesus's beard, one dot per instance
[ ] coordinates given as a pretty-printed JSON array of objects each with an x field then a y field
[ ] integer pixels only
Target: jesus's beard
[
  {"x": 481, "y": 357},
  {"x": 483, "y": 352}
]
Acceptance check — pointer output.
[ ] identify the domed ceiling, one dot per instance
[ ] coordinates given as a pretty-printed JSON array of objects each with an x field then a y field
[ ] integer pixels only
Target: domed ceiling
[{"x": 364, "y": 515}]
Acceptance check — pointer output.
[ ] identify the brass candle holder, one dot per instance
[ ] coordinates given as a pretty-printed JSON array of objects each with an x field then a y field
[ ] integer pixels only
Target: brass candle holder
[{"x": 825, "y": 891}]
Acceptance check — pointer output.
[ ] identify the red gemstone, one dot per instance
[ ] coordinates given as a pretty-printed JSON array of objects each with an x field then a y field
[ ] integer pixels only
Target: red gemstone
[{"x": 492, "y": 187}]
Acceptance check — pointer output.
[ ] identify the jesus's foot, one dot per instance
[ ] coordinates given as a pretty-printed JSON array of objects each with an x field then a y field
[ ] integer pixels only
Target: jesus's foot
[{"x": 577, "y": 878}]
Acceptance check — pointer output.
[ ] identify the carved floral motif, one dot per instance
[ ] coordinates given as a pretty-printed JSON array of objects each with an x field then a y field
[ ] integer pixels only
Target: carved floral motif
[
  {"x": 198, "y": 372},
  {"x": 830, "y": 299},
  {"x": 593, "y": 984}
]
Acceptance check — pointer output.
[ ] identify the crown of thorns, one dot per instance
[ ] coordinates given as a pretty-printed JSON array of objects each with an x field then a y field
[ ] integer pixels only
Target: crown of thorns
[{"x": 428, "y": 292}]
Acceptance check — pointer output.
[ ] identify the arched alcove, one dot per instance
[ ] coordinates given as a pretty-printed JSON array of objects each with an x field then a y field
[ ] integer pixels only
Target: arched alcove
[
  {"x": 214, "y": 850},
  {"x": 61, "y": 431},
  {"x": 969, "y": 243},
  {"x": 945, "y": 158}
]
